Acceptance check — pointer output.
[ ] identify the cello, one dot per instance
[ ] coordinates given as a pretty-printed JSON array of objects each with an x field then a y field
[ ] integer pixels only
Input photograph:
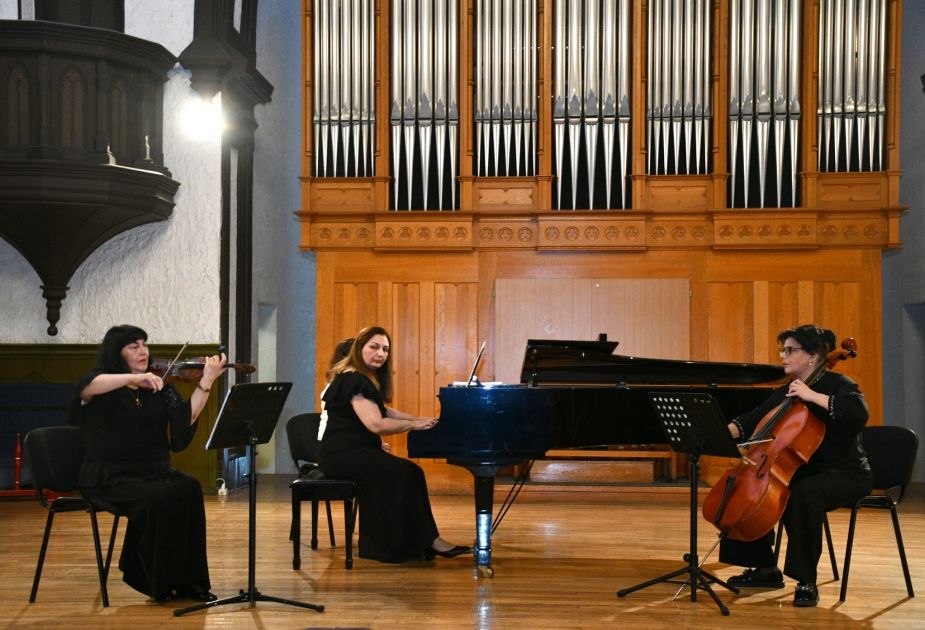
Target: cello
[{"x": 749, "y": 499}]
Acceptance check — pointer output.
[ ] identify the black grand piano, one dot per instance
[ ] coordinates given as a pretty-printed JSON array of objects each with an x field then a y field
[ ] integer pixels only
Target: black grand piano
[{"x": 573, "y": 394}]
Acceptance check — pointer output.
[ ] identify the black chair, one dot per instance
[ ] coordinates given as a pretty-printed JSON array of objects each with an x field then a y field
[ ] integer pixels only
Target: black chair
[
  {"x": 312, "y": 485},
  {"x": 55, "y": 455},
  {"x": 891, "y": 453}
]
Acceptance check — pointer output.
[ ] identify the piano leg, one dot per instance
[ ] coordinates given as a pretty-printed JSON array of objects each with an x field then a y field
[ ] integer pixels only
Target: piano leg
[{"x": 484, "y": 498}]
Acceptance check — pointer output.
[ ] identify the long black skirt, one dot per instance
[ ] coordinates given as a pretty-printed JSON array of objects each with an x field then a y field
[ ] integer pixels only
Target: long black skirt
[
  {"x": 396, "y": 522},
  {"x": 165, "y": 539}
]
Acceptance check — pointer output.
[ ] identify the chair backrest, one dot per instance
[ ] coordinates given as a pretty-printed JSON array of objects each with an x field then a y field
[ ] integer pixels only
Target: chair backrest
[
  {"x": 56, "y": 455},
  {"x": 302, "y": 432},
  {"x": 891, "y": 453}
]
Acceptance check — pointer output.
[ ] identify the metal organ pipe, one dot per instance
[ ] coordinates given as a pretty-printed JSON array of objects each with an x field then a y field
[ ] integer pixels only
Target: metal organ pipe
[
  {"x": 678, "y": 108},
  {"x": 851, "y": 84},
  {"x": 505, "y": 114},
  {"x": 424, "y": 112},
  {"x": 764, "y": 102},
  {"x": 591, "y": 106},
  {"x": 342, "y": 115}
]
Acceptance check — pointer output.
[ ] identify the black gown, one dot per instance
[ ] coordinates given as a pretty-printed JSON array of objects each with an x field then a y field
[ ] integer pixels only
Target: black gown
[
  {"x": 836, "y": 473},
  {"x": 396, "y": 522},
  {"x": 129, "y": 435}
]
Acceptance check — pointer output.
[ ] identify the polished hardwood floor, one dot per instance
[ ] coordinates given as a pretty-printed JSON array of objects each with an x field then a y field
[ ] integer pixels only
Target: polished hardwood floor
[{"x": 559, "y": 559}]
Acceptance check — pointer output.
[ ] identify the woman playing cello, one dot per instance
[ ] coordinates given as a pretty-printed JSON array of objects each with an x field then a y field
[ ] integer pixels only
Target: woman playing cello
[{"x": 836, "y": 473}]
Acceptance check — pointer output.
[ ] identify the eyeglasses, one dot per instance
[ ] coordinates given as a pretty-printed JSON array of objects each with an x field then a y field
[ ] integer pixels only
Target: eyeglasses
[{"x": 786, "y": 351}]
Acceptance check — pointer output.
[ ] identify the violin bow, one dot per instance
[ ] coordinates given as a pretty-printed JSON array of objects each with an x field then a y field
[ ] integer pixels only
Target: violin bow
[{"x": 175, "y": 359}]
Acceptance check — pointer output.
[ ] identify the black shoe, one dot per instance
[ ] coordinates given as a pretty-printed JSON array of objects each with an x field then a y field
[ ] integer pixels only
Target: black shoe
[
  {"x": 806, "y": 595},
  {"x": 452, "y": 552},
  {"x": 195, "y": 593},
  {"x": 165, "y": 597},
  {"x": 768, "y": 577}
]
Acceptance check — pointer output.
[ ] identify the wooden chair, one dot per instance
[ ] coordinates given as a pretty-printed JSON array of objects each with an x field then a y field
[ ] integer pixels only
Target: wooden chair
[
  {"x": 55, "y": 455},
  {"x": 891, "y": 453},
  {"x": 312, "y": 485}
]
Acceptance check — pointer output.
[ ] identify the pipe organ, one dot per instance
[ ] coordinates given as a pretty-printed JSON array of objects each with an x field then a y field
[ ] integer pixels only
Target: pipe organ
[
  {"x": 591, "y": 103},
  {"x": 527, "y": 105},
  {"x": 505, "y": 104},
  {"x": 482, "y": 170},
  {"x": 343, "y": 117},
  {"x": 679, "y": 87},
  {"x": 764, "y": 102},
  {"x": 423, "y": 109},
  {"x": 852, "y": 99}
]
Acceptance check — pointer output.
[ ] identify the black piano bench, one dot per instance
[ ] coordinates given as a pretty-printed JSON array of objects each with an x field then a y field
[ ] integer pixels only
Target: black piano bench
[{"x": 316, "y": 487}]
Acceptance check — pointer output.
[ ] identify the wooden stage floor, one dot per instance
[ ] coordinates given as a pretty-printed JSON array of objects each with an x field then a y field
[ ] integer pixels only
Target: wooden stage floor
[{"x": 558, "y": 559}]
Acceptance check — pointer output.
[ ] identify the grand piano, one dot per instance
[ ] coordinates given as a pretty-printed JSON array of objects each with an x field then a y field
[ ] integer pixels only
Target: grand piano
[{"x": 572, "y": 394}]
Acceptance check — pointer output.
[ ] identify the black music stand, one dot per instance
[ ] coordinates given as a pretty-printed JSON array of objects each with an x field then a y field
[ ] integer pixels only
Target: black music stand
[
  {"x": 694, "y": 425},
  {"x": 248, "y": 417}
]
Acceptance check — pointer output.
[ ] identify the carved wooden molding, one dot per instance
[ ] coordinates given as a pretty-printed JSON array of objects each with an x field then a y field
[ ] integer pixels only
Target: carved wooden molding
[{"x": 449, "y": 231}]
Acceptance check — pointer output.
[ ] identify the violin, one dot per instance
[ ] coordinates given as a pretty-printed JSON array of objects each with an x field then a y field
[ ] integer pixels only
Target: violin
[{"x": 190, "y": 370}]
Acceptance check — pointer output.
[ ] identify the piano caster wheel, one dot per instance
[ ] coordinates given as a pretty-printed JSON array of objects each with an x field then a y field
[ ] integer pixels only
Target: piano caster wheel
[{"x": 485, "y": 572}]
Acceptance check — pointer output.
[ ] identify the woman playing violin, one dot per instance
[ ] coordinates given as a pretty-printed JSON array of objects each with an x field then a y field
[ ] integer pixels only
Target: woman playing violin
[
  {"x": 131, "y": 420},
  {"x": 836, "y": 473}
]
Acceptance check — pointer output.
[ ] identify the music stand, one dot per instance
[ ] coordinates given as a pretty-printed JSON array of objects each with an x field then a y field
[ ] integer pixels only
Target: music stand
[
  {"x": 247, "y": 418},
  {"x": 694, "y": 425}
]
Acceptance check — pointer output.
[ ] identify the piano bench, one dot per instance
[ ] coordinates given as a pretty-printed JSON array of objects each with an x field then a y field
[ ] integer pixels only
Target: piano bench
[{"x": 316, "y": 487}]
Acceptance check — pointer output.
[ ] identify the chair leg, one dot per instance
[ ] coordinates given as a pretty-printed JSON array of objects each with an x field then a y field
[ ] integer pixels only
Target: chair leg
[
  {"x": 327, "y": 506},
  {"x": 828, "y": 540},
  {"x": 112, "y": 543},
  {"x": 314, "y": 523},
  {"x": 350, "y": 515},
  {"x": 902, "y": 550},
  {"x": 295, "y": 531},
  {"x": 99, "y": 556},
  {"x": 41, "y": 563},
  {"x": 850, "y": 544}
]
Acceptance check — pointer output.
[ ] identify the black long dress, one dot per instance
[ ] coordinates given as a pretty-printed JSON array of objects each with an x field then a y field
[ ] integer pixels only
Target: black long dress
[
  {"x": 128, "y": 465},
  {"x": 396, "y": 522},
  {"x": 837, "y": 472}
]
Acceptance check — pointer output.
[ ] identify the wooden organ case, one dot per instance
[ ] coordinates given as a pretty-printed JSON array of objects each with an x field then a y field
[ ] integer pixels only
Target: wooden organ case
[{"x": 688, "y": 177}]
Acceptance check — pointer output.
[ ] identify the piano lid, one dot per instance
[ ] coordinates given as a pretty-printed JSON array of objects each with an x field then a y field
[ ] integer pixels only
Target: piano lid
[{"x": 551, "y": 362}]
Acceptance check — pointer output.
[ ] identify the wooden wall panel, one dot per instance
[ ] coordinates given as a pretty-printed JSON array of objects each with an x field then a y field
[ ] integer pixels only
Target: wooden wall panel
[
  {"x": 838, "y": 307},
  {"x": 356, "y": 305},
  {"x": 649, "y": 317},
  {"x": 456, "y": 334},
  {"x": 731, "y": 316},
  {"x": 407, "y": 358}
]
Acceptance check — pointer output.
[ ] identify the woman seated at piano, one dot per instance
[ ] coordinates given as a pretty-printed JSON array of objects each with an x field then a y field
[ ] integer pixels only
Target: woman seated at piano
[
  {"x": 396, "y": 522},
  {"x": 837, "y": 471}
]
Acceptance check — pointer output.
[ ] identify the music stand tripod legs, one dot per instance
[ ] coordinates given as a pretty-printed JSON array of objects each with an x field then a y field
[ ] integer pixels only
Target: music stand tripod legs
[
  {"x": 693, "y": 424},
  {"x": 697, "y": 577},
  {"x": 251, "y": 595}
]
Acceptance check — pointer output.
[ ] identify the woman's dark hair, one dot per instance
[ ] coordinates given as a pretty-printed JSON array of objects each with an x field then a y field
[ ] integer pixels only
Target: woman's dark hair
[
  {"x": 109, "y": 356},
  {"x": 381, "y": 378},
  {"x": 812, "y": 338},
  {"x": 341, "y": 350}
]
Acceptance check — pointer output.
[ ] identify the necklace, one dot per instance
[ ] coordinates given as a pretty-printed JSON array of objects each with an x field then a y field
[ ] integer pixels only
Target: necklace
[{"x": 136, "y": 396}]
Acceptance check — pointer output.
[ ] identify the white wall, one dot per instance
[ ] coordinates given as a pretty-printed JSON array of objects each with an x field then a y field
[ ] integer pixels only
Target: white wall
[{"x": 283, "y": 275}]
